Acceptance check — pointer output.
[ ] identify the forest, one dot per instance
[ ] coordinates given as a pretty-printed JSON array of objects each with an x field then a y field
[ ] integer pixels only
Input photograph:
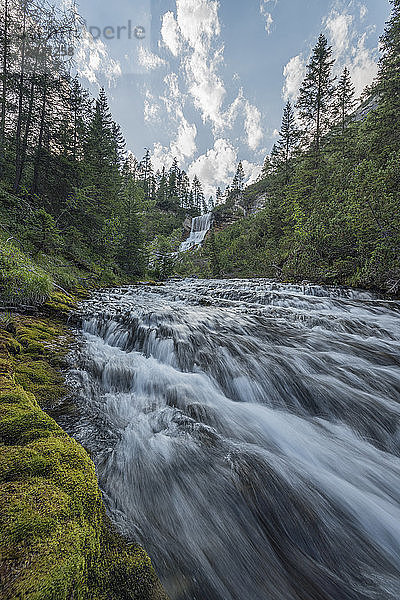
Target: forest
[
  {"x": 77, "y": 208},
  {"x": 331, "y": 186}
]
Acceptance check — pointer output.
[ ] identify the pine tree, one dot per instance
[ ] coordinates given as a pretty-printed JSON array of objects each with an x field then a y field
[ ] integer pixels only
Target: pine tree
[
  {"x": 147, "y": 176},
  {"x": 385, "y": 120},
  {"x": 131, "y": 255},
  {"x": 289, "y": 138},
  {"x": 198, "y": 196},
  {"x": 317, "y": 93},
  {"x": 344, "y": 99},
  {"x": 102, "y": 160},
  {"x": 238, "y": 183},
  {"x": 184, "y": 190}
]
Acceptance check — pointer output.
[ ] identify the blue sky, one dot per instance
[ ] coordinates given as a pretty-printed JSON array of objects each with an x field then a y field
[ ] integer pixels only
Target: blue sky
[{"x": 206, "y": 81}]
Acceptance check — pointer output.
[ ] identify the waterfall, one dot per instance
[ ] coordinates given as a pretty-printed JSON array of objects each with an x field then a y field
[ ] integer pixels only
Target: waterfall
[
  {"x": 200, "y": 227},
  {"x": 247, "y": 434}
]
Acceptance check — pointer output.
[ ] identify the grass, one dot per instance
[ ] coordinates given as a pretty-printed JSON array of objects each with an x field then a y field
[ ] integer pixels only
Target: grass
[{"x": 21, "y": 281}]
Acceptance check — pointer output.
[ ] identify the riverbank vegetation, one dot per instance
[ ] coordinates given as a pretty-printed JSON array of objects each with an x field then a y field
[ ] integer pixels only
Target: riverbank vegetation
[
  {"x": 75, "y": 207},
  {"x": 55, "y": 540},
  {"x": 331, "y": 186}
]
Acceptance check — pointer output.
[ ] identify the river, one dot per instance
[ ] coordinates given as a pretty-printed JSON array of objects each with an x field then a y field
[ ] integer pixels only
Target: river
[{"x": 246, "y": 433}]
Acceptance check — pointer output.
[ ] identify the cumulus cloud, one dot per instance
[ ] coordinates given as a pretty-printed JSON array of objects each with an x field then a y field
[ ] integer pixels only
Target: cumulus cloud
[
  {"x": 216, "y": 167},
  {"x": 294, "y": 73},
  {"x": 151, "y": 108},
  {"x": 252, "y": 126},
  {"x": 252, "y": 171},
  {"x": 182, "y": 147},
  {"x": 149, "y": 60},
  {"x": 170, "y": 33},
  {"x": 192, "y": 35},
  {"x": 350, "y": 46},
  {"x": 363, "y": 65},
  {"x": 93, "y": 61},
  {"x": 339, "y": 28}
]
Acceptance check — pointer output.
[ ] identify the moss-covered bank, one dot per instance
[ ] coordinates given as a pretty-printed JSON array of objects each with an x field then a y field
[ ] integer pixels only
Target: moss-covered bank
[{"x": 55, "y": 540}]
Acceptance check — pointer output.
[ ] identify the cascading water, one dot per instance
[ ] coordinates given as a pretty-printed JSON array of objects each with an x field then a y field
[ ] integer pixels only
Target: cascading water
[
  {"x": 200, "y": 227},
  {"x": 247, "y": 434}
]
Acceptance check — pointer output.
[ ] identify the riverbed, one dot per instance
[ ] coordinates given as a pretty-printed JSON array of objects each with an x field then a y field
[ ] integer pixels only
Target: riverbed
[{"x": 246, "y": 433}]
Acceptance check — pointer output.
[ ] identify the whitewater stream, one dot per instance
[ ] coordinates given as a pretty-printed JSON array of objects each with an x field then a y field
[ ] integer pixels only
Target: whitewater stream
[{"x": 246, "y": 433}]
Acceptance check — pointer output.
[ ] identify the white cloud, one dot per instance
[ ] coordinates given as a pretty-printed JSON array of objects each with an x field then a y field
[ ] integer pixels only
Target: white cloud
[
  {"x": 363, "y": 66},
  {"x": 161, "y": 156},
  {"x": 252, "y": 171},
  {"x": 294, "y": 73},
  {"x": 192, "y": 35},
  {"x": 252, "y": 126},
  {"x": 268, "y": 23},
  {"x": 170, "y": 33},
  {"x": 148, "y": 60},
  {"x": 151, "y": 108},
  {"x": 339, "y": 27},
  {"x": 275, "y": 133},
  {"x": 93, "y": 61},
  {"x": 184, "y": 146},
  {"x": 363, "y": 11},
  {"x": 350, "y": 46},
  {"x": 206, "y": 87},
  {"x": 264, "y": 11},
  {"x": 198, "y": 22},
  {"x": 216, "y": 167}
]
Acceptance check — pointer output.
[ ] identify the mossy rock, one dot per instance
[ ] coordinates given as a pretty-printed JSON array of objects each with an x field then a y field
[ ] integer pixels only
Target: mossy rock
[
  {"x": 55, "y": 541},
  {"x": 60, "y": 304}
]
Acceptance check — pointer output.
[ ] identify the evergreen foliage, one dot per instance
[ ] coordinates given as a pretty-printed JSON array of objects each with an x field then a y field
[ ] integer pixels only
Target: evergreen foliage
[{"x": 331, "y": 186}]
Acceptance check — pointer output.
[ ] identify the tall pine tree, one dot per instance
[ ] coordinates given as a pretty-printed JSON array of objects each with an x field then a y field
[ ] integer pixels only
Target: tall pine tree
[{"x": 317, "y": 93}]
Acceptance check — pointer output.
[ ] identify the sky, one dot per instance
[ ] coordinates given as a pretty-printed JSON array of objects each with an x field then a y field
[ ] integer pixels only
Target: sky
[{"x": 206, "y": 81}]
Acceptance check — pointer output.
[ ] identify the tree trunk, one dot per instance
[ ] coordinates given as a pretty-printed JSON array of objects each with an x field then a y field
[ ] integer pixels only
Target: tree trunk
[
  {"x": 4, "y": 92},
  {"x": 21, "y": 94}
]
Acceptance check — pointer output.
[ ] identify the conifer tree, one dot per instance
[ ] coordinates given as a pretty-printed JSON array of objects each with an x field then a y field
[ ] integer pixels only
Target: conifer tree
[
  {"x": 238, "y": 183},
  {"x": 102, "y": 161},
  {"x": 316, "y": 94},
  {"x": 198, "y": 196},
  {"x": 289, "y": 138},
  {"x": 344, "y": 99},
  {"x": 385, "y": 120}
]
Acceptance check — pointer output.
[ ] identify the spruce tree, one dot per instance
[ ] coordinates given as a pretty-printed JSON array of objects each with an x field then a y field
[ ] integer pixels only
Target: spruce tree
[
  {"x": 289, "y": 137},
  {"x": 198, "y": 196},
  {"x": 344, "y": 99},
  {"x": 385, "y": 120},
  {"x": 317, "y": 93}
]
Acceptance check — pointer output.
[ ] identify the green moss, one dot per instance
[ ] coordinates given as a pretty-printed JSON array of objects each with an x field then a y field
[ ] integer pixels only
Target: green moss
[
  {"x": 55, "y": 541},
  {"x": 19, "y": 462},
  {"x": 60, "y": 303}
]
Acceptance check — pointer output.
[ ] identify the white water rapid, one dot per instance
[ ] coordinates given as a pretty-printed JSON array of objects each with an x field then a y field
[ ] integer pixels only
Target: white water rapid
[
  {"x": 246, "y": 433},
  {"x": 200, "y": 227}
]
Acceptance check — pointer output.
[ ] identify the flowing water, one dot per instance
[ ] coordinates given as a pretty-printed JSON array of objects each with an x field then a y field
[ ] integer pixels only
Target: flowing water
[
  {"x": 200, "y": 227},
  {"x": 246, "y": 433}
]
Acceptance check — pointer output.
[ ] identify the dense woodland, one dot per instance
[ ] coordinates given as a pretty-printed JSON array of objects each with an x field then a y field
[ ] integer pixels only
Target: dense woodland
[
  {"x": 74, "y": 204},
  {"x": 76, "y": 207},
  {"x": 331, "y": 185}
]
